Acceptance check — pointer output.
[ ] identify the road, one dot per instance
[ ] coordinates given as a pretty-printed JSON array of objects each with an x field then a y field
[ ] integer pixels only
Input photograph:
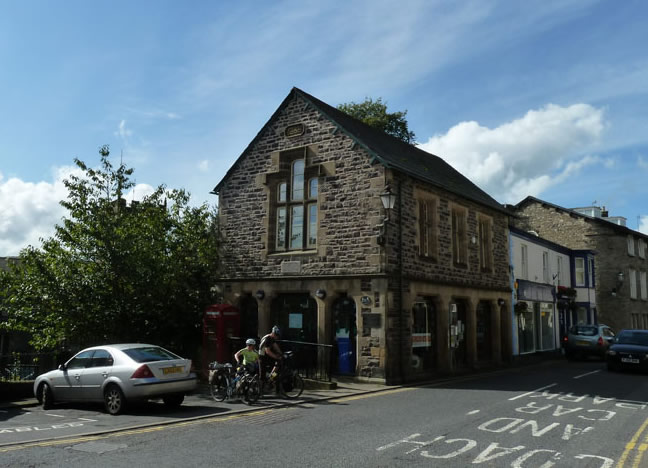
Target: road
[{"x": 564, "y": 414}]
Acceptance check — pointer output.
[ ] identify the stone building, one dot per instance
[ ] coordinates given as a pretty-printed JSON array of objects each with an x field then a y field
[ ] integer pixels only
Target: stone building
[
  {"x": 621, "y": 264},
  {"x": 402, "y": 292}
]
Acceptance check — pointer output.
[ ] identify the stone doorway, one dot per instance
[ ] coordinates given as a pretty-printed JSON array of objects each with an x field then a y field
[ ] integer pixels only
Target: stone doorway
[
  {"x": 345, "y": 332},
  {"x": 249, "y": 317}
]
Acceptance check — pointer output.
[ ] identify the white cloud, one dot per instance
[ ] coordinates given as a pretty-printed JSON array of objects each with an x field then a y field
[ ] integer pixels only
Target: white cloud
[
  {"x": 643, "y": 224},
  {"x": 525, "y": 156},
  {"x": 29, "y": 211},
  {"x": 122, "y": 132},
  {"x": 642, "y": 163},
  {"x": 203, "y": 165}
]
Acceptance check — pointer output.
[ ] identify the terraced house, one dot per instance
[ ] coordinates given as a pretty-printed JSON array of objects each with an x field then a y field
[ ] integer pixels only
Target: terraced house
[
  {"x": 619, "y": 275},
  {"x": 346, "y": 236}
]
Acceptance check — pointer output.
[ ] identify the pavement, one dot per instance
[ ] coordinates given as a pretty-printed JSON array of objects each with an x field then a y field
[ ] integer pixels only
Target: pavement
[{"x": 314, "y": 391}]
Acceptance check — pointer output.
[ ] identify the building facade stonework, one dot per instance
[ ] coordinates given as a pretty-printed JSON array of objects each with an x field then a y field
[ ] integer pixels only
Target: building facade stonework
[{"x": 400, "y": 294}]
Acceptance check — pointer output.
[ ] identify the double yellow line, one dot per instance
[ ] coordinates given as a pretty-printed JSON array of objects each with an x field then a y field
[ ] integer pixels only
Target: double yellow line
[{"x": 633, "y": 446}]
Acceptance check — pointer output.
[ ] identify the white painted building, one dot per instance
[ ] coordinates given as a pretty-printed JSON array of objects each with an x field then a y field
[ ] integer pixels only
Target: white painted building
[{"x": 553, "y": 288}]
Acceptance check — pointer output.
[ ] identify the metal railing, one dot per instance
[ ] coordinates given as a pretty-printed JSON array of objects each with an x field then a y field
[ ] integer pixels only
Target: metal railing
[{"x": 25, "y": 366}]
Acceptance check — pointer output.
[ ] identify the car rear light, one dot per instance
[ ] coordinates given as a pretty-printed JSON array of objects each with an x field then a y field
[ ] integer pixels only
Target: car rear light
[
  {"x": 565, "y": 339},
  {"x": 142, "y": 372},
  {"x": 601, "y": 341}
]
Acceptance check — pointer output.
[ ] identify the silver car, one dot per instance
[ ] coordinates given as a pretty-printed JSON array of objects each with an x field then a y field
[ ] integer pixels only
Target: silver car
[
  {"x": 116, "y": 374},
  {"x": 588, "y": 340}
]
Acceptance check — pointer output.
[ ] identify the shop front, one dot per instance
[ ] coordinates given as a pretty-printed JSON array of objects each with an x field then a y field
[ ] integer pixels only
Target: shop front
[{"x": 536, "y": 316}]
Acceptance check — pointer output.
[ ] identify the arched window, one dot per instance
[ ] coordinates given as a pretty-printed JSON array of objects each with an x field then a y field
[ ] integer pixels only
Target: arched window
[{"x": 296, "y": 211}]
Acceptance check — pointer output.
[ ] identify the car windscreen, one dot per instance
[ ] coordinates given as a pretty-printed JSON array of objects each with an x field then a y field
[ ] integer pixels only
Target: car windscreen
[
  {"x": 149, "y": 354},
  {"x": 584, "y": 331},
  {"x": 633, "y": 338}
]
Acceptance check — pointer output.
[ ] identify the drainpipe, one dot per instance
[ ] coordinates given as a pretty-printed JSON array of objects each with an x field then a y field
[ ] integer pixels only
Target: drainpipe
[{"x": 400, "y": 279}]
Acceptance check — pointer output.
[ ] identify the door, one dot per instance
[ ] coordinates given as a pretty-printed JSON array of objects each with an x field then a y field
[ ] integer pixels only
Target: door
[
  {"x": 344, "y": 339},
  {"x": 67, "y": 383},
  {"x": 249, "y": 318},
  {"x": 93, "y": 376}
]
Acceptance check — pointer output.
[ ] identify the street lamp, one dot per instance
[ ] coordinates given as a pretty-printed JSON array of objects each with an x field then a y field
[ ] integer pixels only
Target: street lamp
[{"x": 388, "y": 200}]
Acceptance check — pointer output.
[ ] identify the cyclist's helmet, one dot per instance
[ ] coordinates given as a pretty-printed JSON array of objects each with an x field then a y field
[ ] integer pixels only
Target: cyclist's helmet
[
  {"x": 249, "y": 342},
  {"x": 276, "y": 330}
]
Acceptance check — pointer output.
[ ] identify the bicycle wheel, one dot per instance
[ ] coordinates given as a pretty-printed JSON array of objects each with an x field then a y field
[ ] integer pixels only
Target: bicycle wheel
[
  {"x": 292, "y": 385},
  {"x": 218, "y": 387},
  {"x": 252, "y": 391}
]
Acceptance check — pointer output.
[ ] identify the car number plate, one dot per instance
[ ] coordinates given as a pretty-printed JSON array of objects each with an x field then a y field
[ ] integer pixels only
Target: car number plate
[
  {"x": 631, "y": 361},
  {"x": 582, "y": 343},
  {"x": 172, "y": 370}
]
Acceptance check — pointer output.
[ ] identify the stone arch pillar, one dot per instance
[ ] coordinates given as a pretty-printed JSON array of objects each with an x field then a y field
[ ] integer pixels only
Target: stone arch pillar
[
  {"x": 506, "y": 331},
  {"x": 471, "y": 331},
  {"x": 444, "y": 357},
  {"x": 496, "y": 331}
]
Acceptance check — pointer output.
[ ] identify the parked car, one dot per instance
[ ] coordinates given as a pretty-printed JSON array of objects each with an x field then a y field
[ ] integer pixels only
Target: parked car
[
  {"x": 629, "y": 351},
  {"x": 588, "y": 340},
  {"x": 116, "y": 374}
]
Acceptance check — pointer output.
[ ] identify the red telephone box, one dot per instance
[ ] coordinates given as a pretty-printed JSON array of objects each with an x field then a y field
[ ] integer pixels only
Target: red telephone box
[{"x": 220, "y": 323}]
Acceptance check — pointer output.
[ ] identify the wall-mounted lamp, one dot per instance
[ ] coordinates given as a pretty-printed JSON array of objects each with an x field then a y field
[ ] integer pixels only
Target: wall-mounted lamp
[
  {"x": 320, "y": 294},
  {"x": 473, "y": 239},
  {"x": 388, "y": 199},
  {"x": 260, "y": 294},
  {"x": 620, "y": 277},
  {"x": 500, "y": 302}
]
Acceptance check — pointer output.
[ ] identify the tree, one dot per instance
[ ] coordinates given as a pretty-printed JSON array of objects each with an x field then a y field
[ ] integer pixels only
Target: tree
[
  {"x": 115, "y": 272},
  {"x": 374, "y": 113}
]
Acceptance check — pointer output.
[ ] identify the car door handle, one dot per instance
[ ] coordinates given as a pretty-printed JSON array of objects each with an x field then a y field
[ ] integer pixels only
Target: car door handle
[{"x": 105, "y": 374}]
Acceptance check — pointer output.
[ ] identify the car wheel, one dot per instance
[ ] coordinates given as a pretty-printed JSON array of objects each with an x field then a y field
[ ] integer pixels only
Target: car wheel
[
  {"x": 45, "y": 396},
  {"x": 114, "y": 400},
  {"x": 173, "y": 400}
]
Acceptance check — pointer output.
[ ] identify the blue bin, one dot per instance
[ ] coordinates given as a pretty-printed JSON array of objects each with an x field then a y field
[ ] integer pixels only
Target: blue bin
[{"x": 344, "y": 356}]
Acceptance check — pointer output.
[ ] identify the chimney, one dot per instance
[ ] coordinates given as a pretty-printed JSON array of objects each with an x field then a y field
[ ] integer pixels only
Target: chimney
[{"x": 604, "y": 213}]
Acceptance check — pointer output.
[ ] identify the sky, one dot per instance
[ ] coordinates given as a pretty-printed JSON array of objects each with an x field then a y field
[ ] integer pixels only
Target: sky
[{"x": 543, "y": 98}]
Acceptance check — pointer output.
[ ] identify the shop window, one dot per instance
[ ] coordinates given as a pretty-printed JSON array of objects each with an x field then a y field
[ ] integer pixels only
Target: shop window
[
  {"x": 459, "y": 239},
  {"x": 526, "y": 327},
  {"x": 423, "y": 335},
  {"x": 427, "y": 226},
  {"x": 295, "y": 208},
  {"x": 545, "y": 326},
  {"x": 581, "y": 316},
  {"x": 486, "y": 244}
]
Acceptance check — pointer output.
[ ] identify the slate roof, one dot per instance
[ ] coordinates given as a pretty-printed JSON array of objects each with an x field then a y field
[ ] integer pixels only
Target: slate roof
[
  {"x": 601, "y": 221},
  {"x": 392, "y": 153}
]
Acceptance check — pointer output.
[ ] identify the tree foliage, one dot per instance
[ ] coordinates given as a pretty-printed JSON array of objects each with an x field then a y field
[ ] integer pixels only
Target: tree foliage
[
  {"x": 374, "y": 113},
  {"x": 116, "y": 273}
]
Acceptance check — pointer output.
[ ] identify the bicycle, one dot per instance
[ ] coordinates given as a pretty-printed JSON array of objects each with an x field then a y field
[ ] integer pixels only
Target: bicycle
[
  {"x": 291, "y": 384},
  {"x": 225, "y": 383}
]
